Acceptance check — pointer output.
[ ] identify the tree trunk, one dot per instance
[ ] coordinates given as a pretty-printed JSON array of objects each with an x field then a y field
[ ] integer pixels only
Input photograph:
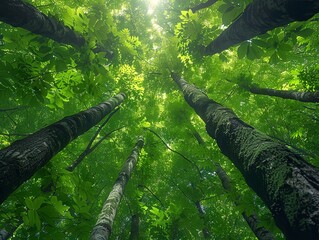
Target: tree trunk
[
  {"x": 20, "y": 14},
  {"x": 252, "y": 220},
  {"x": 288, "y": 185},
  {"x": 286, "y": 94},
  {"x": 261, "y": 16},
  {"x": 203, "y": 5},
  {"x": 23, "y": 158},
  {"x": 4, "y": 235},
  {"x": 135, "y": 227},
  {"x": 103, "y": 226},
  {"x": 202, "y": 213}
]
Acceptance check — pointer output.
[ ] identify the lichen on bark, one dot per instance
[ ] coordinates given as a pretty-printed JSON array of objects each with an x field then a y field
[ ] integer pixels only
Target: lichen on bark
[{"x": 103, "y": 226}]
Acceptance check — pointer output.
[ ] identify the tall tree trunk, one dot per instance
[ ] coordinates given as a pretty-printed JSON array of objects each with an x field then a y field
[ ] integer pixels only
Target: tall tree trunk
[
  {"x": 103, "y": 226},
  {"x": 252, "y": 220},
  {"x": 203, "y": 5},
  {"x": 288, "y": 185},
  {"x": 202, "y": 213},
  {"x": 23, "y": 158},
  {"x": 135, "y": 227},
  {"x": 261, "y": 16},
  {"x": 20, "y": 14},
  {"x": 286, "y": 94}
]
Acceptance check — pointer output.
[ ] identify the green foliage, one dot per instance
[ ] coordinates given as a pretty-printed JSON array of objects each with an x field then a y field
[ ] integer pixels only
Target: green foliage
[
  {"x": 231, "y": 10},
  {"x": 128, "y": 50},
  {"x": 309, "y": 78}
]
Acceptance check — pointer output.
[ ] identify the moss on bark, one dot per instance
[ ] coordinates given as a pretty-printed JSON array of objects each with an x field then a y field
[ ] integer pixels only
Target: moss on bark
[
  {"x": 23, "y": 158},
  {"x": 287, "y": 184}
]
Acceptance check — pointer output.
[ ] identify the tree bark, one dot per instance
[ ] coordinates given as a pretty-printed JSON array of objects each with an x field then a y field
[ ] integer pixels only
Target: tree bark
[
  {"x": 103, "y": 226},
  {"x": 4, "y": 234},
  {"x": 23, "y": 158},
  {"x": 261, "y": 16},
  {"x": 286, "y": 94},
  {"x": 252, "y": 220},
  {"x": 203, "y": 5},
  {"x": 24, "y": 15},
  {"x": 200, "y": 209},
  {"x": 135, "y": 227},
  {"x": 288, "y": 185}
]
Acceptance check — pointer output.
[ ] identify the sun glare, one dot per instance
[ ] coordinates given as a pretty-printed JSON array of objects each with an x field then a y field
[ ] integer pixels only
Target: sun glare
[{"x": 151, "y": 6}]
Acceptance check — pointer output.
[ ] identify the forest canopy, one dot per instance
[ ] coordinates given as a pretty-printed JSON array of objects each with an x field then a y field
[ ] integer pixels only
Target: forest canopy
[{"x": 159, "y": 119}]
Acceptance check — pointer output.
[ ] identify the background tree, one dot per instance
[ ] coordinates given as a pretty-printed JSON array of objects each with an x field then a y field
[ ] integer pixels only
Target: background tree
[{"x": 103, "y": 227}]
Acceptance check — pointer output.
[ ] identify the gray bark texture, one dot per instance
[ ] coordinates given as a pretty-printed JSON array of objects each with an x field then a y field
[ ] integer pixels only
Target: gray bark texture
[
  {"x": 20, "y": 160},
  {"x": 4, "y": 235},
  {"x": 20, "y": 14},
  {"x": 286, "y": 94},
  {"x": 261, "y": 16},
  {"x": 103, "y": 227},
  {"x": 202, "y": 214},
  {"x": 288, "y": 185}
]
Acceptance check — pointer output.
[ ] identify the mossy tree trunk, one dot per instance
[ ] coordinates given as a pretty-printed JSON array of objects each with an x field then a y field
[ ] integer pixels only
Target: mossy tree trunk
[
  {"x": 20, "y": 14},
  {"x": 252, "y": 220},
  {"x": 285, "y": 94},
  {"x": 261, "y": 16},
  {"x": 288, "y": 185},
  {"x": 203, "y": 5},
  {"x": 20, "y": 160},
  {"x": 103, "y": 226}
]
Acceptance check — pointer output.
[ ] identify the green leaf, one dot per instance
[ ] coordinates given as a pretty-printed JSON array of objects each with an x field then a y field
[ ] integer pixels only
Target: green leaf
[
  {"x": 230, "y": 14},
  {"x": 38, "y": 202},
  {"x": 222, "y": 8},
  {"x": 305, "y": 32},
  {"x": 260, "y": 43},
  {"x": 60, "y": 66},
  {"x": 274, "y": 58},
  {"x": 242, "y": 50},
  {"x": 31, "y": 217},
  {"x": 44, "y": 49},
  {"x": 37, "y": 221},
  {"x": 29, "y": 203}
]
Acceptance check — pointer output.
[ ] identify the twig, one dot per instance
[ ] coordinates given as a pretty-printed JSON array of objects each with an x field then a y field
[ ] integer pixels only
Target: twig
[
  {"x": 87, "y": 151},
  {"x": 178, "y": 153},
  {"x": 143, "y": 186},
  {"x": 12, "y": 109}
]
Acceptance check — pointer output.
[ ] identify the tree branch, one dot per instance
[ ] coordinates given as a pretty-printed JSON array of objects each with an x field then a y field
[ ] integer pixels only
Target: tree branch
[{"x": 178, "y": 153}]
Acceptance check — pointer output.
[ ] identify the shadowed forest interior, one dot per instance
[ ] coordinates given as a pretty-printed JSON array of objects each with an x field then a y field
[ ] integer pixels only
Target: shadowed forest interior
[{"x": 159, "y": 119}]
